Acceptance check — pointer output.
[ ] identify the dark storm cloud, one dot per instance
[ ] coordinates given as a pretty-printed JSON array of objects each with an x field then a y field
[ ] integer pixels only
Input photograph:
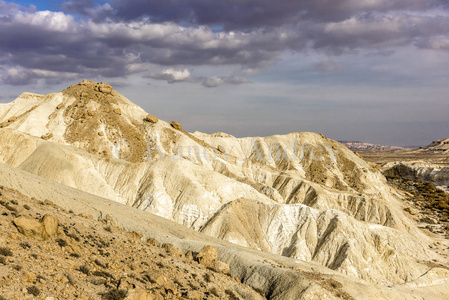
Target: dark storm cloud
[
  {"x": 250, "y": 14},
  {"x": 127, "y": 37},
  {"x": 78, "y": 6}
]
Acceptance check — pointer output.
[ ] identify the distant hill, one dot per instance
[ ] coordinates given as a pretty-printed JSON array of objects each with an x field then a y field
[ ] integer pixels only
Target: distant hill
[
  {"x": 438, "y": 145},
  {"x": 361, "y": 146}
]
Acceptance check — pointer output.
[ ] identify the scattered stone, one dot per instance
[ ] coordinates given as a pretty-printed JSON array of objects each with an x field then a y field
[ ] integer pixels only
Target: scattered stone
[
  {"x": 151, "y": 119},
  {"x": 105, "y": 88},
  {"x": 153, "y": 242},
  {"x": 172, "y": 250},
  {"x": 12, "y": 119},
  {"x": 30, "y": 277},
  {"x": 157, "y": 277},
  {"x": 429, "y": 220},
  {"x": 411, "y": 210},
  {"x": 176, "y": 125},
  {"x": 139, "y": 294},
  {"x": 87, "y": 216},
  {"x": 47, "y": 136}
]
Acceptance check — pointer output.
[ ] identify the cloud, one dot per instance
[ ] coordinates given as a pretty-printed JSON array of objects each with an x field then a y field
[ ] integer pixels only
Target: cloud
[
  {"x": 327, "y": 66},
  {"x": 20, "y": 76},
  {"x": 173, "y": 76},
  {"x": 251, "y": 14},
  {"x": 7, "y": 8},
  {"x": 120, "y": 38},
  {"x": 217, "y": 81}
]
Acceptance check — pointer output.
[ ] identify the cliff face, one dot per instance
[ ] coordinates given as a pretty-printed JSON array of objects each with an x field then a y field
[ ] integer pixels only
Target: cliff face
[{"x": 299, "y": 195}]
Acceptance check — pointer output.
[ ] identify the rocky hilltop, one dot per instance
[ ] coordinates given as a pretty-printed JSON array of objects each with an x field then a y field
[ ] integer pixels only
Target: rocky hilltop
[
  {"x": 301, "y": 196},
  {"x": 438, "y": 145}
]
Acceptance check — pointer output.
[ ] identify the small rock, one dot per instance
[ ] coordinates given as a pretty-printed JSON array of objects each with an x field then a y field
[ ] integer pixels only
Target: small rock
[
  {"x": 429, "y": 220},
  {"x": 151, "y": 119},
  {"x": 189, "y": 256},
  {"x": 172, "y": 250},
  {"x": 176, "y": 125},
  {"x": 160, "y": 279},
  {"x": 411, "y": 210},
  {"x": 12, "y": 119},
  {"x": 30, "y": 277},
  {"x": 138, "y": 294},
  {"x": 105, "y": 88},
  {"x": 47, "y": 136},
  {"x": 194, "y": 295},
  {"x": 101, "y": 133},
  {"x": 118, "y": 111},
  {"x": 87, "y": 216},
  {"x": 153, "y": 242}
]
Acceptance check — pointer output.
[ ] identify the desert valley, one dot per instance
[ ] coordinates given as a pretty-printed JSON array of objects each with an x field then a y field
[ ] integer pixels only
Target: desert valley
[{"x": 103, "y": 200}]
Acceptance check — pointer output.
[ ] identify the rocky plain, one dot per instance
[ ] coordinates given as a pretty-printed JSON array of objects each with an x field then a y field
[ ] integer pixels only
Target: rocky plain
[{"x": 103, "y": 200}]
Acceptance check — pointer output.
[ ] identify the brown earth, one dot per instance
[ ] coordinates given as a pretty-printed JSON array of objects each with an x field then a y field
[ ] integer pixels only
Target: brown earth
[{"x": 90, "y": 259}]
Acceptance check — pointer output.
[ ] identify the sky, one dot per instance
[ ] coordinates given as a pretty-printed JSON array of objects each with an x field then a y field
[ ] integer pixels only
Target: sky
[{"x": 368, "y": 70}]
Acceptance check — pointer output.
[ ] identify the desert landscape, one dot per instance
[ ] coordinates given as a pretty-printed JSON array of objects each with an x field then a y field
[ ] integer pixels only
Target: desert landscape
[
  {"x": 103, "y": 200},
  {"x": 232, "y": 149}
]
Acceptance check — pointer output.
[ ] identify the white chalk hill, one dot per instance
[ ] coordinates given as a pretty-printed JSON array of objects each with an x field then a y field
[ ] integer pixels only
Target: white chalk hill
[{"x": 299, "y": 195}]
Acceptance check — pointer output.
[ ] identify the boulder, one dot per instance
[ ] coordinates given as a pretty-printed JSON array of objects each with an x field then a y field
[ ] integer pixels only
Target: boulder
[
  {"x": 44, "y": 229},
  {"x": 176, "y": 125},
  {"x": 118, "y": 111},
  {"x": 50, "y": 224},
  {"x": 151, "y": 119},
  {"x": 105, "y": 88},
  {"x": 208, "y": 256}
]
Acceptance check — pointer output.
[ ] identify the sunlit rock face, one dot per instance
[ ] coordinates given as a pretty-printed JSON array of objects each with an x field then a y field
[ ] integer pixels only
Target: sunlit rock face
[{"x": 299, "y": 195}]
